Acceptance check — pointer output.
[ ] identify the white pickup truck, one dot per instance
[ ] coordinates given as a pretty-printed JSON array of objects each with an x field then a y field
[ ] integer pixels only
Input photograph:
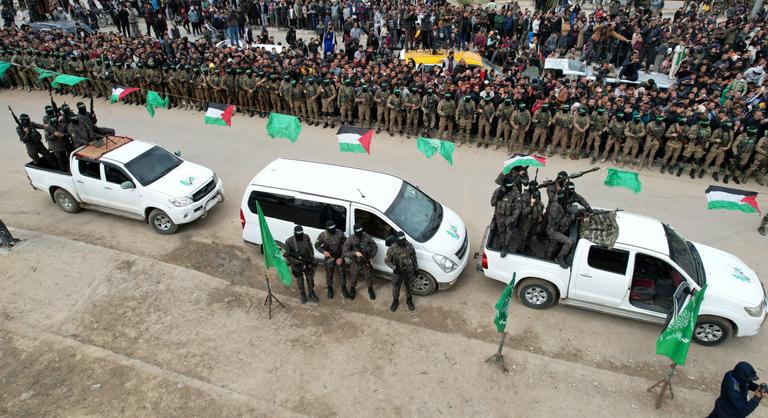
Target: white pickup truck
[
  {"x": 641, "y": 277},
  {"x": 134, "y": 179}
]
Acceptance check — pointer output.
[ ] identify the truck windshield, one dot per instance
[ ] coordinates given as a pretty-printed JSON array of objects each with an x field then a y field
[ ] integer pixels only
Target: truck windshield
[
  {"x": 684, "y": 254},
  {"x": 416, "y": 213},
  {"x": 152, "y": 164}
]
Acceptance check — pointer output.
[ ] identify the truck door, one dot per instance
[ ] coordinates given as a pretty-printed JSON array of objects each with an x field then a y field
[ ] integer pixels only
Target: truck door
[
  {"x": 124, "y": 199},
  {"x": 600, "y": 275},
  {"x": 374, "y": 225},
  {"x": 88, "y": 182}
]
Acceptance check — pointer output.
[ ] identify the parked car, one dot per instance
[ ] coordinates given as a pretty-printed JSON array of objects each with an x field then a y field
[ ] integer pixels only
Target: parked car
[
  {"x": 638, "y": 278},
  {"x": 307, "y": 193},
  {"x": 133, "y": 179},
  {"x": 70, "y": 26}
]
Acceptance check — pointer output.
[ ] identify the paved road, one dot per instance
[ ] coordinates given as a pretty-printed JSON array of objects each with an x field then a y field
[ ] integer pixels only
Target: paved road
[{"x": 215, "y": 246}]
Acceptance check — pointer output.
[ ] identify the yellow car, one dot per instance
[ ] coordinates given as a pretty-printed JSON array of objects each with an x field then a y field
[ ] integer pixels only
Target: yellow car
[{"x": 427, "y": 59}]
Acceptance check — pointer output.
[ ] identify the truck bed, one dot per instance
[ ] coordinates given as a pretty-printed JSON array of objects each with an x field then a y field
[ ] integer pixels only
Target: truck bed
[{"x": 42, "y": 177}]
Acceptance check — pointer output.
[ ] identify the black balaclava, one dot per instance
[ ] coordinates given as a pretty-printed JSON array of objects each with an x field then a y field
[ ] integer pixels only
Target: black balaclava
[
  {"x": 401, "y": 241},
  {"x": 298, "y": 231},
  {"x": 358, "y": 230}
]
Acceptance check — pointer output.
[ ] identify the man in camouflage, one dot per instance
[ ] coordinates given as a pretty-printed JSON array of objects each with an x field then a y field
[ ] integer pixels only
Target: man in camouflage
[
  {"x": 382, "y": 111},
  {"x": 503, "y": 117},
  {"x": 360, "y": 249},
  {"x": 615, "y": 136},
  {"x": 763, "y": 223},
  {"x": 446, "y": 109},
  {"x": 285, "y": 95},
  {"x": 542, "y": 120},
  {"x": 299, "y": 100},
  {"x": 465, "y": 115},
  {"x": 507, "y": 203},
  {"x": 394, "y": 105},
  {"x": 401, "y": 258},
  {"x": 274, "y": 94},
  {"x": 364, "y": 101},
  {"x": 719, "y": 144},
  {"x": 563, "y": 123},
  {"x": 698, "y": 136},
  {"x": 312, "y": 92},
  {"x": 329, "y": 96},
  {"x": 759, "y": 163},
  {"x": 521, "y": 121},
  {"x": 301, "y": 258},
  {"x": 531, "y": 215},
  {"x": 429, "y": 109},
  {"x": 412, "y": 106},
  {"x": 330, "y": 243},
  {"x": 654, "y": 132},
  {"x": 346, "y": 101},
  {"x": 558, "y": 227},
  {"x": 675, "y": 135},
  {"x": 580, "y": 127},
  {"x": 634, "y": 133},
  {"x": 485, "y": 120}
]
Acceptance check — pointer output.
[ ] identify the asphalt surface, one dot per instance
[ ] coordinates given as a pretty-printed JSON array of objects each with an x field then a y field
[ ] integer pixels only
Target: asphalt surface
[{"x": 214, "y": 245}]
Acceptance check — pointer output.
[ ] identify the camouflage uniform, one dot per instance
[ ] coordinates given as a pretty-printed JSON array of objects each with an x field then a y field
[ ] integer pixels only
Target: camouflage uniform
[
  {"x": 521, "y": 120},
  {"x": 484, "y": 121},
  {"x": 542, "y": 120},
  {"x": 359, "y": 265},
  {"x": 742, "y": 149},
  {"x": 760, "y": 162},
  {"x": 382, "y": 112},
  {"x": 245, "y": 91},
  {"x": 301, "y": 258},
  {"x": 675, "y": 135},
  {"x": 329, "y": 96},
  {"x": 465, "y": 115},
  {"x": 429, "y": 109},
  {"x": 346, "y": 102},
  {"x": 411, "y": 105},
  {"x": 508, "y": 205},
  {"x": 615, "y": 137},
  {"x": 563, "y": 122},
  {"x": 581, "y": 121},
  {"x": 446, "y": 109},
  {"x": 719, "y": 144},
  {"x": 274, "y": 95},
  {"x": 558, "y": 226},
  {"x": 698, "y": 136},
  {"x": 364, "y": 102},
  {"x": 285, "y": 95},
  {"x": 654, "y": 132},
  {"x": 312, "y": 92},
  {"x": 332, "y": 243},
  {"x": 298, "y": 100},
  {"x": 395, "y": 112},
  {"x": 634, "y": 133},
  {"x": 401, "y": 258},
  {"x": 531, "y": 216},
  {"x": 504, "y": 123}
]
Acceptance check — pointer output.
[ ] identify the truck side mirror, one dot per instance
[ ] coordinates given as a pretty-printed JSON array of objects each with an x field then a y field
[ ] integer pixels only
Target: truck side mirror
[
  {"x": 127, "y": 185},
  {"x": 177, "y": 153}
]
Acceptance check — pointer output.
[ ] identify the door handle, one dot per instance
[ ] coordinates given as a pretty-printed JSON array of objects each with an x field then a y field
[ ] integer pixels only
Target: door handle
[
  {"x": 586, "y": 275},
  {"x": 79, "y": 181}
]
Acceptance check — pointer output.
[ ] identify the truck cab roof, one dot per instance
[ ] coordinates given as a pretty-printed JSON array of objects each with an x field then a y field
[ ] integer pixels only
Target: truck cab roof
[
  {"x": 641, "y": 231},
  {"x": 120, "y": 149}
]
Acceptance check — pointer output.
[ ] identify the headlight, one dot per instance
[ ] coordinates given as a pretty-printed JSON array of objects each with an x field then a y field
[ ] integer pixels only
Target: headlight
[
  {"x": 181, "y": 201},
  {"x": 755, "y": 311},
  {"x": 215, "y": 179},
  {"x": 445, "y": 264}
]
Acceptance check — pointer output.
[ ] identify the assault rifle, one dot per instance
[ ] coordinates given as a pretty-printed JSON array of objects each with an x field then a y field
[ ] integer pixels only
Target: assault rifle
[
  {"x": 93, "y": 114},
  {"x": 18, "y": 122},
  {"x": 575, "y": 175},
  {"x": 56, "y": 109}
]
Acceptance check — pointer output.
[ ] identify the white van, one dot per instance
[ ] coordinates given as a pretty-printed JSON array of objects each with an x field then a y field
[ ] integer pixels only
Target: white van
[{"x": 307, "y": 193}]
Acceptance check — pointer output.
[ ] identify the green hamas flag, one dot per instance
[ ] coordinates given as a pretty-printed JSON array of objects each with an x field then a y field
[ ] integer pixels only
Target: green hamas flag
[
  {"x": 502, "y": 306},
  {"x": 154, "y": 100},
  {"x": 43, "y": 74},
  {"x": 67, "y": 79},
  {"x": 272, "y": 255},
  {"x": 620, "y": 178},
  {"x": 675, "y": 340},
  {"x": 283, "y": 126},
  {"x": 4, "y": 66},
  {"x": 429, "y": 147}
]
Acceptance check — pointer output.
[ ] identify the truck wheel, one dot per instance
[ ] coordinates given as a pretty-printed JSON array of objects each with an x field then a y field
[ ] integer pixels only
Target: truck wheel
[
  {"x": 66, "y": 201},
  {"x": 537, "y": 294},
  {"x": 712, "y": 330},
  {"x": 161, "y": 222},
  {"x": 423, "y": 284}
]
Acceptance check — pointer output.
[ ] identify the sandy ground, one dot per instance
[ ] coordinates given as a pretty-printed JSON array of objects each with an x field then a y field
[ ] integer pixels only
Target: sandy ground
[{"x": 190, "y": 304}]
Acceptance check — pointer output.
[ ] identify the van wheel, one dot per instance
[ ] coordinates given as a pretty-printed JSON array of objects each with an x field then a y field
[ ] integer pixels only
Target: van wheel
[
  {"x": 162, "y": 223},
  {"x": 712, "y": 330},
  {"x": 66, "y": 201},
  {"x": 537, "y": 294},
  {"x": 423, "y": 284}
]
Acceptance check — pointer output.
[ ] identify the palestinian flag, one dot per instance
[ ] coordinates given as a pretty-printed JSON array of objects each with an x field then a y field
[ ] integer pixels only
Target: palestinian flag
[
  {"x": 219, "y": 114},
  {"x": 731, "y": 199},
  {"x": 118, "y": 92},
  {"x": 516, "y": 160},
  {"x": 354, "y": 139}
]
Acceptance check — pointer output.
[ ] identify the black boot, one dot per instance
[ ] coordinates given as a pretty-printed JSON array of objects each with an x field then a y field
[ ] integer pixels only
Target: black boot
[
  {"x": 679, "y": 171},
  {"x": 302, "y": 297},
  {"x": 716, "y": 176},
  {"x": 761, "y": 230},
  {"x": 701, "y": 173},
  {"x": 561, "y": 262},
  {"x": 394, "y": 305},
  {"x": 663, "y": 167},
  {"x": 692, "y": 174},
  {"x": 344, "y": 293},
  {"x": 725, "y": 179},
  {"x": 503, "y": 253},
  {"x": 352, "y": 293},
  {"x": 736, "y": 180},
  {"x": 371, "y": 293},
  {"x": 330, "y": 292},
  {"x": 409, "y": 302},
  {"x": 671, "y": 169},
  {"x": 313, "y": 297}
]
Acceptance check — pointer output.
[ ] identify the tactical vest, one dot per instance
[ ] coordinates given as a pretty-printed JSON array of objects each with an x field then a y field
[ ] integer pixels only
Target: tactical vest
[
  {"x": 404, "y": 260},
  {"x": 506, "y": 205}
]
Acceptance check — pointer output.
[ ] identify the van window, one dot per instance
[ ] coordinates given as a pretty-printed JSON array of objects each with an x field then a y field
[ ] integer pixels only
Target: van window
[
  {"x": 89, "y": 169},
  {"x": 114, "y": 174},
  {"x": 415, "y": 213},
  {"x": 308, "y": 213},
  {"x": 614, "y": 261},
  {"x": 372, "y": 224}
]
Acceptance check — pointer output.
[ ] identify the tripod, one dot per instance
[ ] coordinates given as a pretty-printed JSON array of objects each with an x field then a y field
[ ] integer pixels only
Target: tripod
[
  {"x": 665, "y": 383},
  {"x": 268, "y": 301}
]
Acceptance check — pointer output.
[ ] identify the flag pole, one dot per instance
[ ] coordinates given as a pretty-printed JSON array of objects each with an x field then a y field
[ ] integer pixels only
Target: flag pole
[
  {"x": 501, "y": 327},
  {"x": 270, "y": 299},
  {"x": 498, "y": 358},
  {"x": 665, "y": 384}
]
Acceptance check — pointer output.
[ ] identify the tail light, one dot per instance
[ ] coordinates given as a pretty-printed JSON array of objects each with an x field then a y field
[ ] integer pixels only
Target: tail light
[
  {"x": 242, "y": 219},
  {"x": 484, "y": 261}
]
